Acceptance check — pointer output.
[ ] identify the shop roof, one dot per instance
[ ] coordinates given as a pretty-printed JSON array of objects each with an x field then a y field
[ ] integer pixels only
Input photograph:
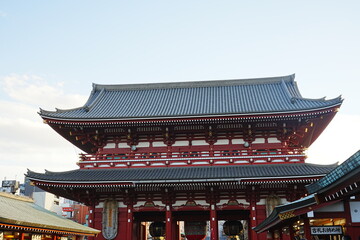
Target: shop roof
[
  {"x": 22, "y": 211},
  {"x": 347, "y": 169},
  {"x": 285, "y": 211},
  {"x": 192, "y": 99}
]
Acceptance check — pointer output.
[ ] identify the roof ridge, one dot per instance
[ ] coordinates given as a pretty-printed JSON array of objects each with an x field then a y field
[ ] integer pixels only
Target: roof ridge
[
  {"x": 16, "y": 197},
  {"x": 194, "y": 84},
  {"x": 321, "y": 99},
  {"x": 89, "y": 105}
]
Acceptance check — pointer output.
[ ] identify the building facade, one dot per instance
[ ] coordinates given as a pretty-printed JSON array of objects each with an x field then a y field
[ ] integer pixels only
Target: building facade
[
  {"x": 191, "y": 153},
  {"x": 331, "y": 210}
]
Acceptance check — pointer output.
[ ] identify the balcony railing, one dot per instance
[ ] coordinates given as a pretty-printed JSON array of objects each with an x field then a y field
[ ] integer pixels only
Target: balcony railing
[{"x": 166, "y": 159}]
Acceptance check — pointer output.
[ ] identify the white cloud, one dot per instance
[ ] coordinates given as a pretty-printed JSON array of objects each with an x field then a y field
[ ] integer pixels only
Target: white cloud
[
  {"x": 3, "y": 14},
  {"x": 25, "y": 142},
  {"x": 34, "y": 90}
]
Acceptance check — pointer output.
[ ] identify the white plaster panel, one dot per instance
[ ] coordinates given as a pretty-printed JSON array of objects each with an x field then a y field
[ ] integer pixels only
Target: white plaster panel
[
  {"x": 123, "y": 145},
  {"x": 142, "y": 203},
  {"x": 262, "y": 202},
  {"x": 139, "y": 164},
  {"x": 139, "y": 203},
  {"x": 222, "y": 142},
  {"x": 238, "y": 141},
  {"x": 199, "y": 143},
  {"x": 181, "y": 143},
  {"x": 273, "y": 140},
  {"x": 222, "y": 202},
  {"x": 242, "y": 201},
  {"x": 100, "y": 205},
  {"x": 179, "y": 163},
  {"x": 225, "y": 201},
  {"x": 110, "y": 145},
  {"x": 143, "y": 144},
  {"x": 202, "y": 202},
  {"x": 159, "y": 144},
  {"x": 278, "y": 160},
  {"x": 179, "y": 203},
  {"x": 221, "y": 162},
  {"x": 121, "y": 205},
  {"x": 198, "y": 163},
  {"x": 259, "y": 140}
]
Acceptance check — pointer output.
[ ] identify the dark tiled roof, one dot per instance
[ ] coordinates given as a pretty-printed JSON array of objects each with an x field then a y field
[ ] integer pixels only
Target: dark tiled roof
[
  {"x": 347, "y": 169},
  {"x": 187, "y": 99},
  {"x": 24, "y": 212},
  {"x": 175, "y": 174}
]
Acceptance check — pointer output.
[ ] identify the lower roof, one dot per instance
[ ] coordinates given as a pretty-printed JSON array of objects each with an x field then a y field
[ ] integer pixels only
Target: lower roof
[
  {"x": 185, "y": 174},
  {"x": 23, "y": 213}
]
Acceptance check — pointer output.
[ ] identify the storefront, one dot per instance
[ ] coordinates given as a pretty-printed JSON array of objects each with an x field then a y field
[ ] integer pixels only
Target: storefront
[
  {"x": 21, "y": 219},
  {"x": 331, "y": 211}
]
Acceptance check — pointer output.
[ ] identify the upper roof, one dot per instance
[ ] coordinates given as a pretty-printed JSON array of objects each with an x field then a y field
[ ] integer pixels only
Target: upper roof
[
  {"x": 182, "y": 174},
  {"x": 191, "y": 99},
  {"x": 348, "y": 169},
  {"x": 22, "y": 211}
]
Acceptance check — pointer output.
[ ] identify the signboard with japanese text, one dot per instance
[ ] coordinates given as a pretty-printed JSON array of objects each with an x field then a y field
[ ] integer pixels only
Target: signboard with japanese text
[
  {"x": 67, "y": 209},
  {"x": 326, "y": 230}
]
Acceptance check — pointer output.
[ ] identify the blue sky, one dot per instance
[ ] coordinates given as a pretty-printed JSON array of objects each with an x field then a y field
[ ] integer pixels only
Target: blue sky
[{"x": 52, "y": 51}]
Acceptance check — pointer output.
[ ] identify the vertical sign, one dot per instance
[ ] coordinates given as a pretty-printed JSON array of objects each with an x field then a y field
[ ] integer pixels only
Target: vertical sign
[{"x": 355, "y": 211}]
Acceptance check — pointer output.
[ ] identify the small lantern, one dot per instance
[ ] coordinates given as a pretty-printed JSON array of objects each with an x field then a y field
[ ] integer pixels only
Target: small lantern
[
  {"x": 157, "y": 230},
  {"x": 232, "y": 228},
  {"x": 195, "y": 230}
]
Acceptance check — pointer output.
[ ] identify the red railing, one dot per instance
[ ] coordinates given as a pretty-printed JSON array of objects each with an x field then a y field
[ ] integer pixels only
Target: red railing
[{"x": 219, "y": 157}]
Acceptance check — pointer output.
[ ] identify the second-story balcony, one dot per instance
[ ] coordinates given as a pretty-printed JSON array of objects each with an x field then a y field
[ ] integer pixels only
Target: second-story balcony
[{"x": 190, "y": 158}]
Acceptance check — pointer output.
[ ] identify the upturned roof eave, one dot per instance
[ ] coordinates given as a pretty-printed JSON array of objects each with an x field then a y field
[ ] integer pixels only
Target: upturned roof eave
[
  {"x": 176, "y": 181},
  {"x": 47, "y": 227},
  {"x": 168, "y": 117}
]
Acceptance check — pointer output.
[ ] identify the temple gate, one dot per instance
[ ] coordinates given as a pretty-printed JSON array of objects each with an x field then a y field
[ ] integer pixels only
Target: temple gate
[{"x": 162, "y": 157}]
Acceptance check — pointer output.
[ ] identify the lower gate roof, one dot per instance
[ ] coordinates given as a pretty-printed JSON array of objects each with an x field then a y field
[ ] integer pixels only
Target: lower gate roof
[{"x": 185, "y": 174}]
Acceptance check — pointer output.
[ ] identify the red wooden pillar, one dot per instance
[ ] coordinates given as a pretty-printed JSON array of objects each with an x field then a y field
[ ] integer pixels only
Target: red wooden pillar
[
  {"x": 91, "y": 216},
  {"x": 307, "y": 228},
  {"x": 22, "y": 236},
  {"x": 291, "y": 231},
  {"x": 280, "y": 234},
  {"x": 129, "y": 223},
  {"x": 214, "y": 232},
  {"x": 253, "y": 220},
  {"x": 169, "y": 223}
]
